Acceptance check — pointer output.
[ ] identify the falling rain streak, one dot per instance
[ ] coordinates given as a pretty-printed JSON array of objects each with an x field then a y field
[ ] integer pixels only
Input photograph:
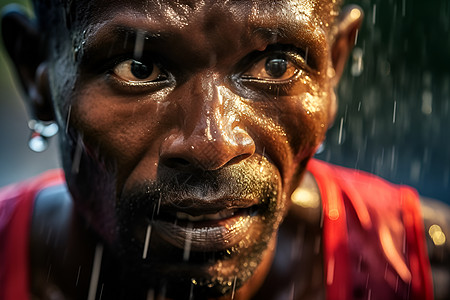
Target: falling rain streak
[
  {"x": 394, "y": 112},
  {"x": 147, "y": 241},
  {"x": 78, "y": 276},
  {"x": 77, "y": 155},
  {"x": 397, "y": 90},
  {"x": 96, "y": 267},
  {"x": 69, "y": 111},
  {"x": 187, "y": 245},
  {"x": 233, "y": 291},
  {"x": 139, "y": 44},
  {"x": 340, "y": 131}
]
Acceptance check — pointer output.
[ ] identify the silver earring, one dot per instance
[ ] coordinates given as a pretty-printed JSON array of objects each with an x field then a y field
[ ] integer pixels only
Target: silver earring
[{"x": 41, "y": 131}]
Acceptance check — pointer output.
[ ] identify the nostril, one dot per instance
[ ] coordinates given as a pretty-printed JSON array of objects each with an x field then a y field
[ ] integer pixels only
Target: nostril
[
  {"x": 237, "y": 159},
  {"x": 176, "y": 162}
]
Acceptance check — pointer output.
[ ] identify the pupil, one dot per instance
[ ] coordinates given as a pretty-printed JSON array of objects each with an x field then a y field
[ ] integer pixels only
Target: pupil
[
  {"x": 276, "y": 66},
  {"x": 140, "y": 71}
]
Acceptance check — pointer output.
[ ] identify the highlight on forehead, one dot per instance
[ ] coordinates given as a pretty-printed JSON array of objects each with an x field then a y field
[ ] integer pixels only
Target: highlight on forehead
[{"x": 327, "y": 9}]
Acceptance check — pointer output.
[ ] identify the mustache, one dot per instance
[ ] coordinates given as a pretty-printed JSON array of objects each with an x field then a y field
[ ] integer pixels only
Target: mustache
[{"x": 252, "y": 179}]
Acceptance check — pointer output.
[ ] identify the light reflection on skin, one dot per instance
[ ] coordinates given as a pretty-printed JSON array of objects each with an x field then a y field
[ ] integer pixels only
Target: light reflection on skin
[{"x": 261, "y": 131}]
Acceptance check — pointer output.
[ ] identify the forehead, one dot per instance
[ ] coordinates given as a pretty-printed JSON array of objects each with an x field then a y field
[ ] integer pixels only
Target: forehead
[
  {"x": 178, "y": 12},
  {"x": 229, "y": 23}
]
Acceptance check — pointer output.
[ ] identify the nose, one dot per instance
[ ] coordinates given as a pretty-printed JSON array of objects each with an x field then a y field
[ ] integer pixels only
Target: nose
[{"x": 210, "y": 135}]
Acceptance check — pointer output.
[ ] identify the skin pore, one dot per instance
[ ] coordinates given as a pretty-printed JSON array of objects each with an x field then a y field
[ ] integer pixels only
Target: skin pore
[{"x": 186, "y": 127}]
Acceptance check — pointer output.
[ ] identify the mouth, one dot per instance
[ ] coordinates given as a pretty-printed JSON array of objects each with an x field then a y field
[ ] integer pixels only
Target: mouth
[{"x": 198, "y": 225}]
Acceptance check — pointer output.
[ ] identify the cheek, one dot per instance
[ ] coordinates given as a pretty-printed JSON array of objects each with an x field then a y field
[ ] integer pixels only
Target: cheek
[
  {"x": 118, "y": 130},
  {"x": 307, "y": 121}
]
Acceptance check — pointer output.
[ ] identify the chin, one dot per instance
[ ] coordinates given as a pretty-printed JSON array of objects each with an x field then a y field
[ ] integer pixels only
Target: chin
[{"x": 203, "y": 239}]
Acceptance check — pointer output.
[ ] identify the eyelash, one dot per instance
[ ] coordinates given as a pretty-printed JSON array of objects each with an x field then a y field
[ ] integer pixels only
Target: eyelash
[
  {"x": 130, "y": 86},
  {"x": 293, "y": 54},
  {"x": 267, "y": 86}
]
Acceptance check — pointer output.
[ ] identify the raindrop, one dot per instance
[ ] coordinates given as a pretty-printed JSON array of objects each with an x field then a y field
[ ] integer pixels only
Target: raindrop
[
  {"x": 95, "y": 272},
  {"x": 147, "y": 240},
  {"x": 187, "y": 245},
  {"x": 101, "y": 292},
  {"x": 68, "y": 118},
  {"x": 77, "y": 155},
  {"x": 340, "y": 131},
  {"x": 374, "y": 14},
  {"x": 393, "y": 158},
  {"x": 394, "y": 112},
  {"x": 427, "y": 102},
  {"x": 139, "y": 44},
  {"x": 159, "y": 204},
  {"x": 357, "y": 62},
  {"x": 191, "y": 292},
  {"x": 78, "y": 275},
  {"x": 234, "y": 288}
]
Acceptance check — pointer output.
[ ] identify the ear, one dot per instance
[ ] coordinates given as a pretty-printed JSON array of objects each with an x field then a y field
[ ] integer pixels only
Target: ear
[
  {"x": 343, "y": 40},
  {"x": 25, "y": 46}
]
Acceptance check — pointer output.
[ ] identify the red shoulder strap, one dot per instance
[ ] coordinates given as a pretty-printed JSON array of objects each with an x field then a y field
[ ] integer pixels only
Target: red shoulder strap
[
  {"x": 335, "y": 237},
  {"x": 16, "y": 206},
  {"x": 421, "y": 282},
  {"x": 373, "y": 212}
]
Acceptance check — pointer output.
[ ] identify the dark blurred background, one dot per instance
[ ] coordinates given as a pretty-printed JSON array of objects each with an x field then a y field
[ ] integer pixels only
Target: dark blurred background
[{"x": 393, "y": 120}]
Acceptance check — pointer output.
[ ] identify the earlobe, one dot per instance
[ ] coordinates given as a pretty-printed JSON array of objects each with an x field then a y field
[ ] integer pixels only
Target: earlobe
[
  {"x": 24, "y": 45},
  {"x": 344, "y": 36}
]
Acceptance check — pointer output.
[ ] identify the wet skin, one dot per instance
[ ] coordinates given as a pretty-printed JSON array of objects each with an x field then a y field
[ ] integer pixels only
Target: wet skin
[{"x": 186, "y": 127}]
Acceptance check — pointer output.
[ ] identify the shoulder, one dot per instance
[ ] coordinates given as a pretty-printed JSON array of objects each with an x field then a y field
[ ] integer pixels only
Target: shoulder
[
  {"x": 48, "y": 236},
  {"x": 17, "y": 200},
  {"x": 17, "y": 205},
  {"x": 381, "y": 225}
]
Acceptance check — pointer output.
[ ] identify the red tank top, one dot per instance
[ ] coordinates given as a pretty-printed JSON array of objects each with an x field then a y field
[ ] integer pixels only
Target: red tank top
[
  {"x": 374, "y": 244},
  {"x": 16, "y": 207}
]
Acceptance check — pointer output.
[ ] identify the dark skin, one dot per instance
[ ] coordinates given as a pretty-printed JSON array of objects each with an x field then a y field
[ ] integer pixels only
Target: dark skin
[{"x": 201, "y": 114}]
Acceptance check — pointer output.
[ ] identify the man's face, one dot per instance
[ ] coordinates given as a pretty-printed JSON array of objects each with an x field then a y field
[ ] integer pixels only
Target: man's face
[{"x": 187, "y": 126}]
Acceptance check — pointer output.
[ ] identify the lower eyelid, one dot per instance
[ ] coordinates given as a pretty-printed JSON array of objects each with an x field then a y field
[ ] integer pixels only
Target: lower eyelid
[{"x": 136, "y": 86}]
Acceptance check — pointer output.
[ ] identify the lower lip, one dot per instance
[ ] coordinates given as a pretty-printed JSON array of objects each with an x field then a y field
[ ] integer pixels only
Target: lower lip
[{"x": 214, "y": 235}]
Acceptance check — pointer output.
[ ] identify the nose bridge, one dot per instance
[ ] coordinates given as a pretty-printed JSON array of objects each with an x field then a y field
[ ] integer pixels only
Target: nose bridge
[
  {"x": 209, "y": 137},
  {"x": 206, "y": 113}
]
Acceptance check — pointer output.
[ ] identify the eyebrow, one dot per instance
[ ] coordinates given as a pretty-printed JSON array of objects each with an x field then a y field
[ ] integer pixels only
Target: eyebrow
[
  {"x": 114, "y": 33},
  {"x": 288, "y": 31},
  {"x": 136, "y": 36}
]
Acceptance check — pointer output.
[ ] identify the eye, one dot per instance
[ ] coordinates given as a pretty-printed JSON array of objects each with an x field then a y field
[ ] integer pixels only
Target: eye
[
  {"x": 134, "y": 71},
  {"x": 276, "y": 67}
]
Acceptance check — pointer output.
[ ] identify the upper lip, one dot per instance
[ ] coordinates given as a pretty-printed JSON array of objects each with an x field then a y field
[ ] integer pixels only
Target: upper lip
[{"x": 202, "y": 206}]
